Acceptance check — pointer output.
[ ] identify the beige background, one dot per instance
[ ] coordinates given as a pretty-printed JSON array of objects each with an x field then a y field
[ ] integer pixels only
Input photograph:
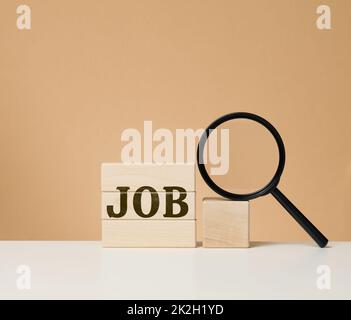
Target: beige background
[{"x": 89, "y": 69}]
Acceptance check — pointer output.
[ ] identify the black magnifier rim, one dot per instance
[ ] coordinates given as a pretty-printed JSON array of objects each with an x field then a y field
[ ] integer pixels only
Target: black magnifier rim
[{"x": 248, "y": 196}]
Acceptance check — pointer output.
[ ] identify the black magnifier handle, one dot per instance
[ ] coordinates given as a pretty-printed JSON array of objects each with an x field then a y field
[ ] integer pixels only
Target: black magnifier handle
[{"x": 306, "y": 224}]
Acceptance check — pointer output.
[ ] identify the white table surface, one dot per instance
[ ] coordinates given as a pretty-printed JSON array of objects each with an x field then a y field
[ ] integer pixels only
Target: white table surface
[{"x": 85, "y": 270}]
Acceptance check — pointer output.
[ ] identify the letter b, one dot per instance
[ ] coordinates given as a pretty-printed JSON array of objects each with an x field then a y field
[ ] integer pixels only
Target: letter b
[{"x": 180, "y": 201}]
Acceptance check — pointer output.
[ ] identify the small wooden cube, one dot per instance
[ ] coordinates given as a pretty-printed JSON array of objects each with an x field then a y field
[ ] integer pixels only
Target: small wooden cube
[{"x": 225, "y": 223}]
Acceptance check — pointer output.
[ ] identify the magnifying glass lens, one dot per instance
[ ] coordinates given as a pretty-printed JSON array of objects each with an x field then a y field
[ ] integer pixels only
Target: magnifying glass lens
[{"x": 244, "y": 158}]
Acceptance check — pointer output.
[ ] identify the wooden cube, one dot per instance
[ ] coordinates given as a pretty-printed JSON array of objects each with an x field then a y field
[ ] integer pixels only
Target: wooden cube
[
  {"x": 149, "y": 233},
  {"x": 158, "y": 176},
  {"x": 225, "y": 223},
  {"x": 148, "y": 205}
]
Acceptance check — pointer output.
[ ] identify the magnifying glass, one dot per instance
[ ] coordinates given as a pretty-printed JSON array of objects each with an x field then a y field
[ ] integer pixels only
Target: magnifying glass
[{"x": 271, "y": 186}]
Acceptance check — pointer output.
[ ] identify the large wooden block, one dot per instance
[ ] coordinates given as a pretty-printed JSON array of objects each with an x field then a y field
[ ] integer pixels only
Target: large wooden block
[
  {"x": 225, "y": 223},
  {"x": 148, "y": 233},
  {"x": 148, "y": 205},
  {"x": 152, "y": 205},
  {"x": 114, "y": 175}
]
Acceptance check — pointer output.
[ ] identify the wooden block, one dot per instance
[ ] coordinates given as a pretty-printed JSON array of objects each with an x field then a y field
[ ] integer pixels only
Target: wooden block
[
  {"x": 225, "y": 223},
  {"x": 149, "y": 202},
  {"x": 148, "y": 233},
  {"x": 149, "y": 195},
  {"x": 158, "y": 176}
]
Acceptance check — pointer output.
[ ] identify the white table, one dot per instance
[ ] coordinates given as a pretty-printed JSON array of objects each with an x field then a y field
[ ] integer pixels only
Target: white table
[{"x": 68, "y": 270}]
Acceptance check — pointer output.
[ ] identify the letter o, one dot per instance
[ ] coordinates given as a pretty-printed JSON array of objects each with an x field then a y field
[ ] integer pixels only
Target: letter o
[{"x": 155, "y": 202}]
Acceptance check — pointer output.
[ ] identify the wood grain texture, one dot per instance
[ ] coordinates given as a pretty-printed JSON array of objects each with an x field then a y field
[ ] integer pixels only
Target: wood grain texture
[
  {"x": 114, "y": 199},
  {"x": 157, "y": 176},
  {"x": 148, "y": 233},
  {"x": 225, "y": 223}
]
